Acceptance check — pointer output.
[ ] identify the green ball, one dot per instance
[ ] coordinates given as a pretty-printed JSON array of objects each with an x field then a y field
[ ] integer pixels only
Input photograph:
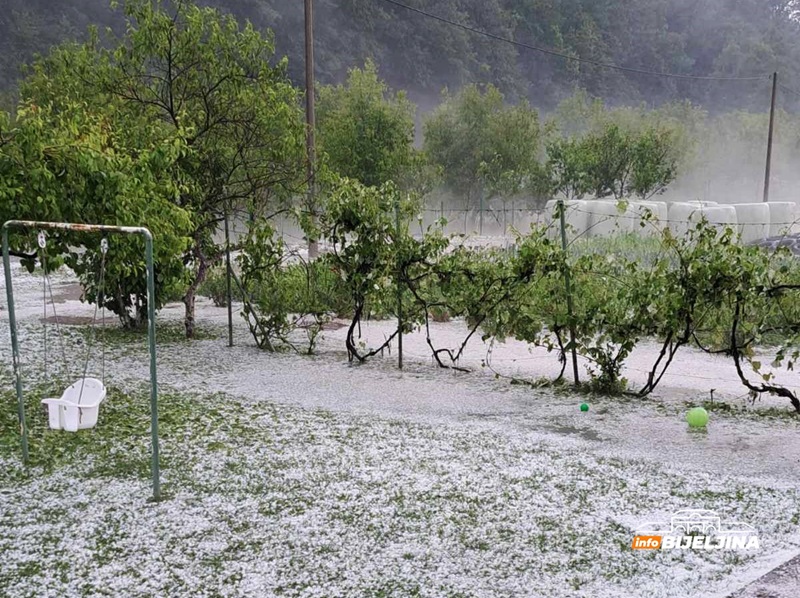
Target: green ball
[
  {"x": 697, "y": 417},
  {"x": 584, "y": 407}
]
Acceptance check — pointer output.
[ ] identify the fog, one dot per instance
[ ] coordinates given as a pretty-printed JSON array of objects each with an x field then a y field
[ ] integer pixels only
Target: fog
[
  {"x": 730, "y": 166},
  {"x": 719, "y": 38}
]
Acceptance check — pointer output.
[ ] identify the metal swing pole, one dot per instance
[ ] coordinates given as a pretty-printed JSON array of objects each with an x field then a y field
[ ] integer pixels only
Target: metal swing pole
[
  {"x": 12, "y": 321},
  {"x": 151, "y": 338}
]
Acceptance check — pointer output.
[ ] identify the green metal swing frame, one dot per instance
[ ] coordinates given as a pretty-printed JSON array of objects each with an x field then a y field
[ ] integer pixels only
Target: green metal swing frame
[{"x": 151, "y": 327}]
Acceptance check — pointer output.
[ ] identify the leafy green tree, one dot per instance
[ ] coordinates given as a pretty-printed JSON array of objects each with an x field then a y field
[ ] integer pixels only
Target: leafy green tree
[
  {"x": 653, "y": 165},
  {"x": 69, "y": 166},
  {"x": 366, "y": 131},
  {"x": 609, "y": 161},
  {"x": 567, "y": 165},
  {"x": 581, "y": 113},
  {"x": 613, "y": 163},
  {"x": 210, "y": 86},
  {"x": 484, "y": 147},
  {"x": 379, "y": 262}
]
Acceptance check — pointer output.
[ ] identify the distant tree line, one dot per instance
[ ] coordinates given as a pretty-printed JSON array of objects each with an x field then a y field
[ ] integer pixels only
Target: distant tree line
[{"x": 713, "y": 37}]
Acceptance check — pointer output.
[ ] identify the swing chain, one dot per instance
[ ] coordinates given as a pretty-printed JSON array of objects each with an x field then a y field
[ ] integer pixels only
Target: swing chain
[
  {"x": 104, "y": 251},
  {"x": 42, "y": 241},
  {"x": 99, "y": 300},
  {"x": 48, "y": 286}
]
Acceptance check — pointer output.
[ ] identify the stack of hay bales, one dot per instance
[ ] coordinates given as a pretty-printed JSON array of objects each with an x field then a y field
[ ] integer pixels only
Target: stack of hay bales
[
  {"x": 754, "y": 221},
  {"x": 603, "y": 218}
]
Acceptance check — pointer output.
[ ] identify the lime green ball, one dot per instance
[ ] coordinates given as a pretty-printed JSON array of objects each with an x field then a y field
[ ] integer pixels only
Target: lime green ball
[
  {"x": 584, "y": 407},
  {"x": 697, "y": 417}
]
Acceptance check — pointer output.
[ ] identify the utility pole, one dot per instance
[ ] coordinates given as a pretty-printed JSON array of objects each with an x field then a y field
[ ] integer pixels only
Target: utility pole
[
  {"x": 311, "y": 151},
  {"x": 771, "y": 135}
]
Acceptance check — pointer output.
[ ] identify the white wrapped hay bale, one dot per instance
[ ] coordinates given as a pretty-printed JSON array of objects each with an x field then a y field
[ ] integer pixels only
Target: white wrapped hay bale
[
  {"x": 684, "y": 216},
  {"x": 703, "y": 204},
  {"x": 576, "y": 218},
  {"x": 607, "y": 219},
  {"x": 680, "y": 217},
  {"x": 754, "y": 221},
  {"x": 782, "y": 217},
  {"x": 720, "y": 216},
  {"x": 658, "y": 212}
]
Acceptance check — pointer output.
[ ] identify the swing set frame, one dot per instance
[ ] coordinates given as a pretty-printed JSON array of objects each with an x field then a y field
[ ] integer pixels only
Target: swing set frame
[{"x": 151, "y": 327}]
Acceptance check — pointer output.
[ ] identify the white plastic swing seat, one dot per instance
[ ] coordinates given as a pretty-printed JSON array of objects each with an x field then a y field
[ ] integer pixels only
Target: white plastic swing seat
[{"x": 78, "y": 407}]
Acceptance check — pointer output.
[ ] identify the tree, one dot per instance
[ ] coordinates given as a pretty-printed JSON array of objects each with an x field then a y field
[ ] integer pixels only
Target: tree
[
  {"x": 69, "y": 166},
  {"x": 653, "y": 165},
  {"x": 613, "y": 163},
  {"x": 366, "y": 131},
  {"x": 567, "y": 165},
  {"x": 211, "y": 86},
  {"x": 484, "y": 147},
  {"x": 359, "y": 224}
]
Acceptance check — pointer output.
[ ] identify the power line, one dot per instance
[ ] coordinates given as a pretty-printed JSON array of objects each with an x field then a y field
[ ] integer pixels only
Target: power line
[
  {"x": 789, "y": 89},
  {"x": 597, "y": 63}
]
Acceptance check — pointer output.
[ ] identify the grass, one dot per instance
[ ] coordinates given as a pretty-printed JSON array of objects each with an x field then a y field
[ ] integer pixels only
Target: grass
[
  {"x": 292, "y": 502},
  {"x": 643, "y": 249},
  {"x": 119, "y": 448}
]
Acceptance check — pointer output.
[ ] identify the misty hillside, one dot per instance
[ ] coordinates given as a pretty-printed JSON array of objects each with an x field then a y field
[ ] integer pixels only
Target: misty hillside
[{"x": 714, "y": 37}]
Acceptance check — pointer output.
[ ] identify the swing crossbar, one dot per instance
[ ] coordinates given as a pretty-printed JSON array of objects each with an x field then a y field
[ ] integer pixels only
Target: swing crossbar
[{"x": 151, "y": 327}]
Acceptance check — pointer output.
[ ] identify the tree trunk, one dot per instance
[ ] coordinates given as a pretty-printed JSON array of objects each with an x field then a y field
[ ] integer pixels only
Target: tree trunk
[
  {"x": 352, "y": 351},
  {"x": 191, "y": 293},
  {"x": 188, "y": 319}
]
